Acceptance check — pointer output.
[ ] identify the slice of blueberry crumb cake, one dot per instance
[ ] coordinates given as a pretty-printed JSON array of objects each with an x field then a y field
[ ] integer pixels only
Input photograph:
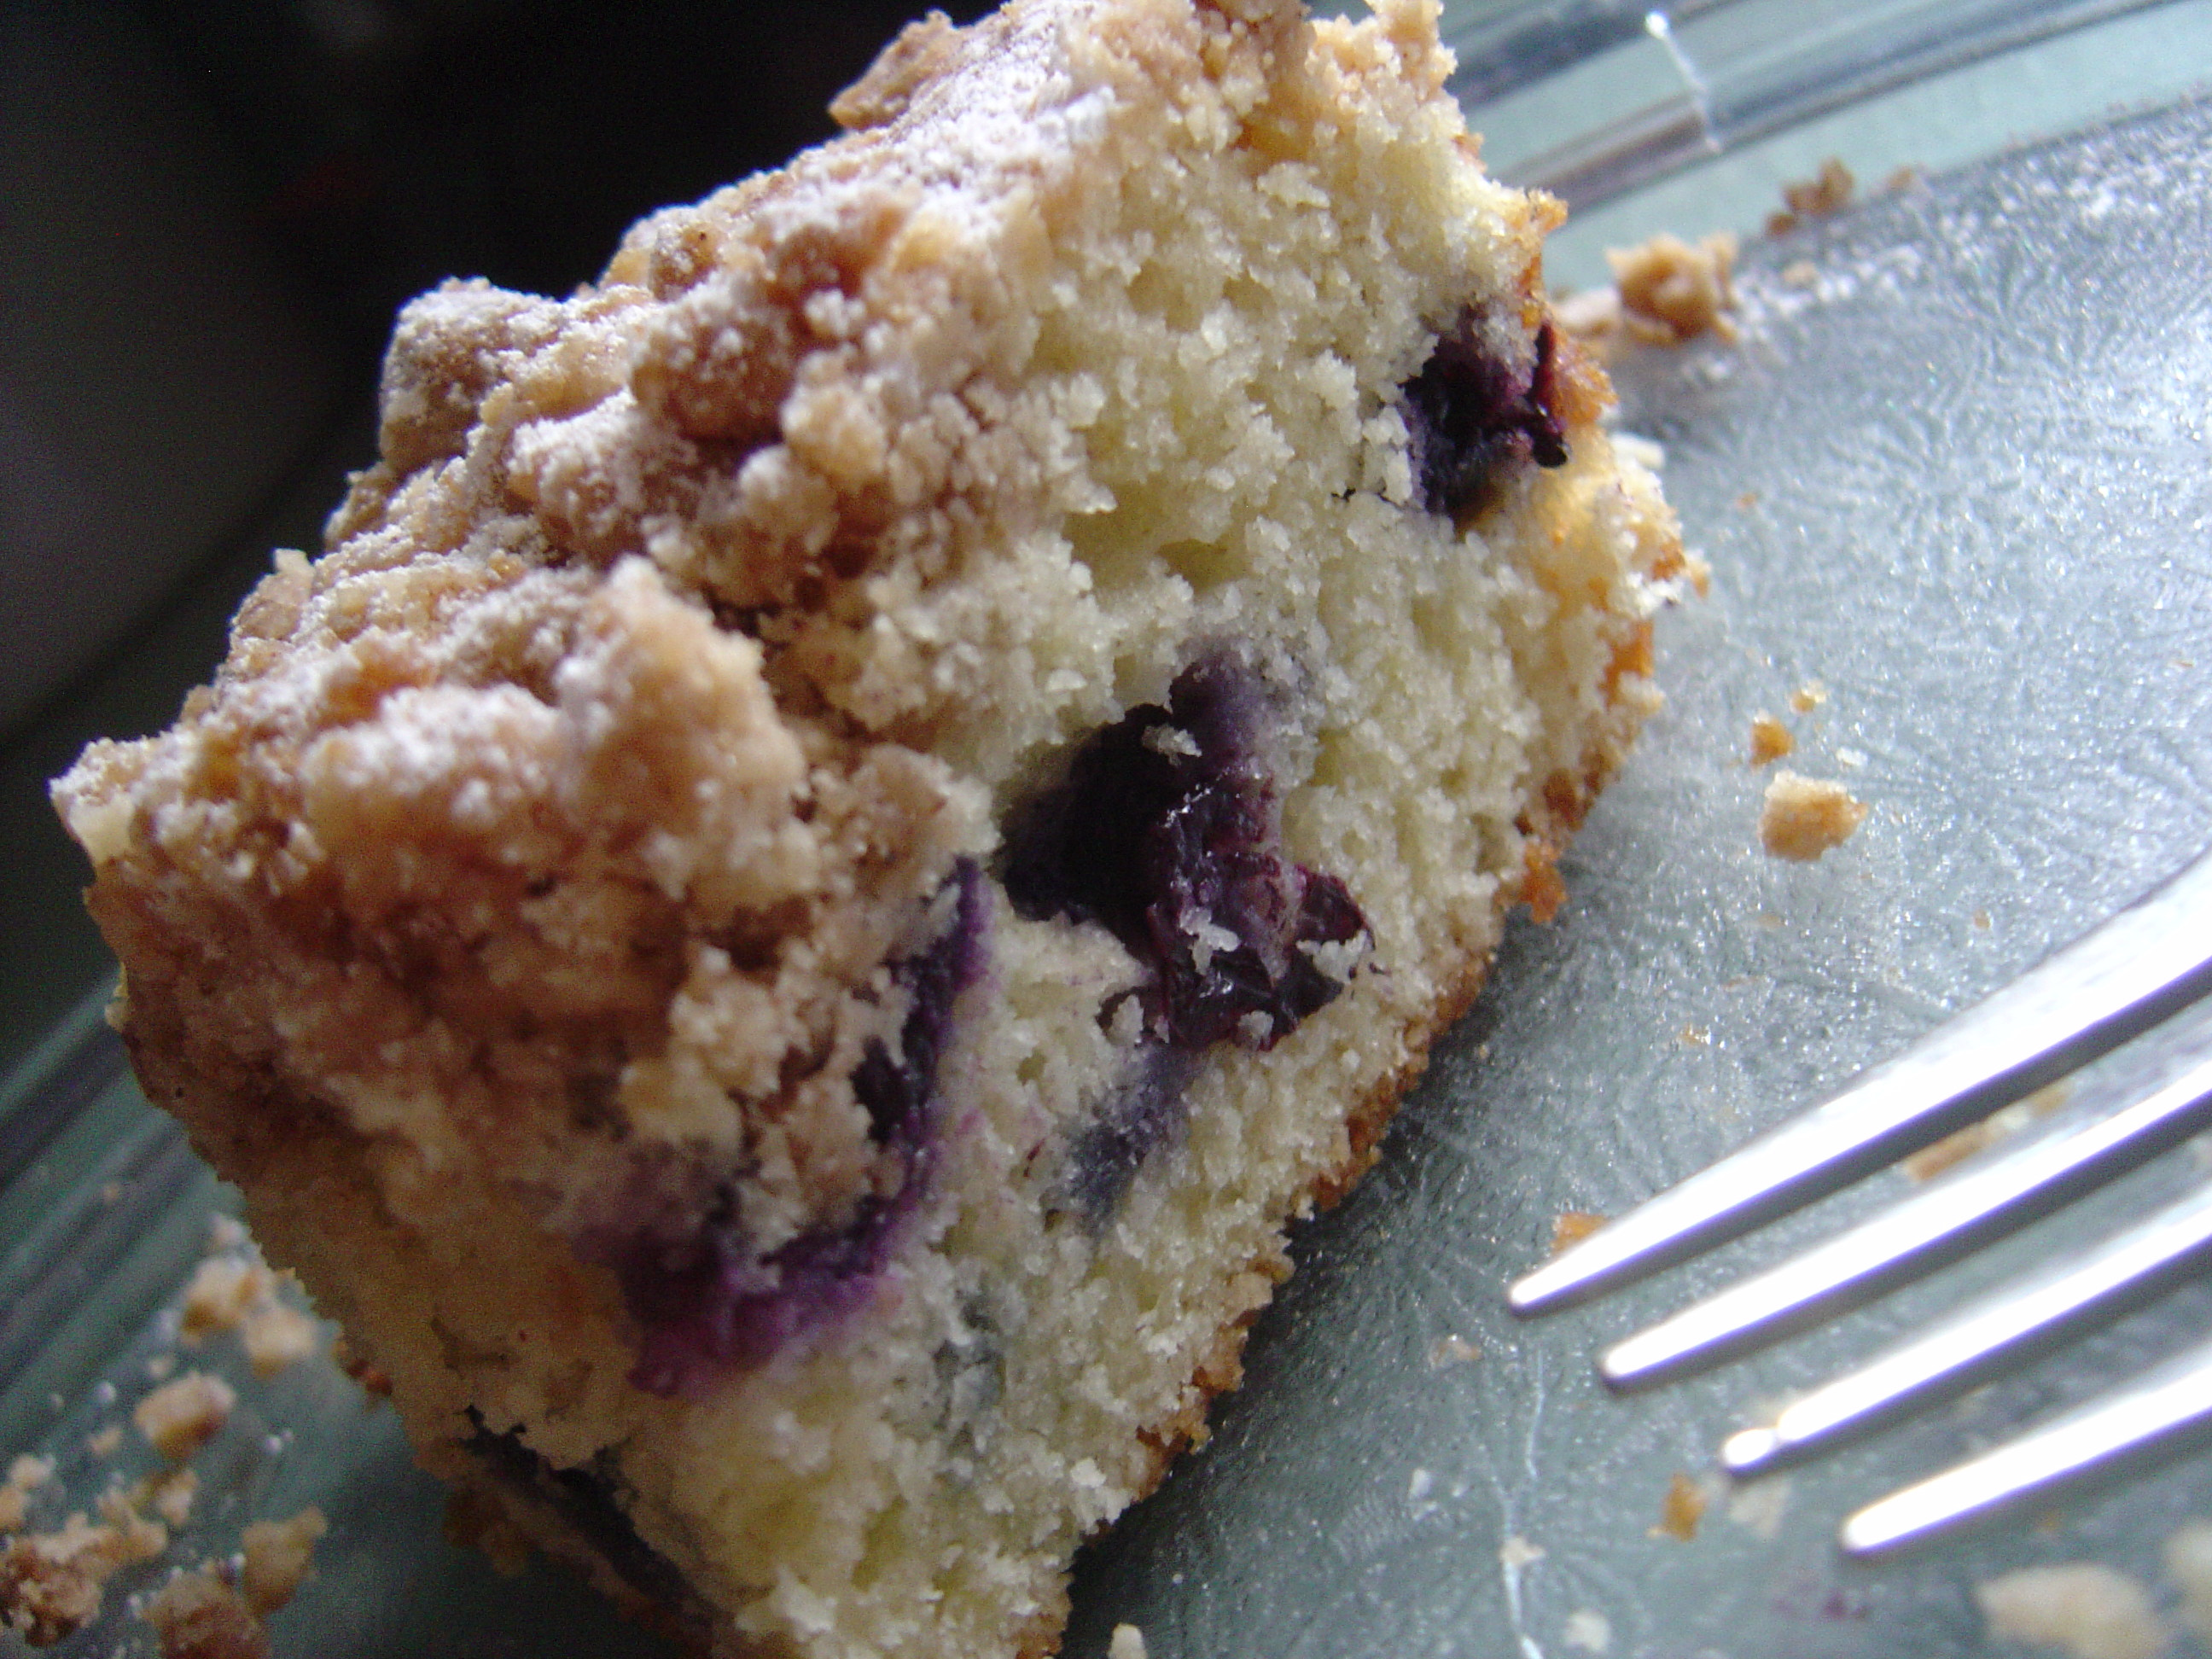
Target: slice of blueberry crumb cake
[{"x": 857, "y": 813}]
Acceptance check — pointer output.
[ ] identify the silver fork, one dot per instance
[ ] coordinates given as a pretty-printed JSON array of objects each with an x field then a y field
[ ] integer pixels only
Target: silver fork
[{"x": 2138, "y": 969}]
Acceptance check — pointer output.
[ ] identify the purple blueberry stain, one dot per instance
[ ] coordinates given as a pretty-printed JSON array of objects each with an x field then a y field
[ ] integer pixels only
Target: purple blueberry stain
[
  {"x": 1166, "y": 832},
  {"x": 706, "y": 1299},
  {"x": 1145, "y": 1113},
  {"x": 1471, "y": 413}
]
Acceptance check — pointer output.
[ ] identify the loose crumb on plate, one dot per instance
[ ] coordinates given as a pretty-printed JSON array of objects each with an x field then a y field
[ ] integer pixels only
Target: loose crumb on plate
[
  {"x": 29, "y": 1470},
  {"x": 224, "y": 1290},
  {"x": 1128, "y": 1642},
  {"x": 198, "y": 1616},
  {"x": 1589, "y": 1630},
  {"x": 2189, "y": 1564},
  {"x": 279, "y": 1554},
  {"x": 180, "y": 1417},
  {"x": 235, "y": 1291},
  {"x": 1681, "y": 1509},
  {"x": 137, "y": 1538},
  {"x": 1804, "y": 818},
  {"x": 51, "y": 1583},
  {"x": 1672, "y": 291},
  {"x": 1591, "y": 313},
  {"x": 1572, "y": 1226},
  {"x": 1826, "y": 192},
  {"x": 1517, "y": 1553},
  {"x": 1807, "y": 698},
  {"x": 276, "y": 1335},
  {"x": 169, "y": 1494},
  {"x": 2091, "y": 1610},
  {"x": 25, "y": 1475},
  {"x": 1452, "y": 1351},
  {"x": 1758, "y": 1507},
  {"x": 1960, "y": 1145},
  {"x": 1665, "y": 292},
  {"x": 1770, "y": 740}
]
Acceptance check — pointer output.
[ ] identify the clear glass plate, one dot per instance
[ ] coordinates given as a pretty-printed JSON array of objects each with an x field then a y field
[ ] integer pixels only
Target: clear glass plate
[{"x": 1958, "y": 471}]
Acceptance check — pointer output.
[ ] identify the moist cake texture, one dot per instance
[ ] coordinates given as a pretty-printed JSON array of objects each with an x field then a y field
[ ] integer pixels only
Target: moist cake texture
[{"x": 855, "y": 814}]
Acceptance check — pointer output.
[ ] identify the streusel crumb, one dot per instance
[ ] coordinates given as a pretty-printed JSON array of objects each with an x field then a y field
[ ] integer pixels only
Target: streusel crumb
[
  {"x": 279, "y": 1554},
  {"x": 184, "y": 1414},
  {"x": 198, "y": 1616},
  {"x": 1804, "y": 818}
]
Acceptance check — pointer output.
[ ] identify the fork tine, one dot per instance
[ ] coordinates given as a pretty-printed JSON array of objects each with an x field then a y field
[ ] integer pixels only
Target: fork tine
[
  {"x": 2168, "y": 1406},
  {"x": 1939, "y": 1224},
  {"x": 2113, "y": 984},
  {"x": 1999, "y": 1331}
]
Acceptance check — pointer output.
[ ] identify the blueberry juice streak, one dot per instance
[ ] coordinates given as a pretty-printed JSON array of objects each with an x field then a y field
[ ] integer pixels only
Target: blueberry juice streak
[
  {"x": 707, "y": 1301},
  {"x": 1166, "y": 833}
]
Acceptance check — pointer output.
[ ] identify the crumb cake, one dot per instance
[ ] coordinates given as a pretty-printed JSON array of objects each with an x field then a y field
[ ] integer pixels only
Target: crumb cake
[{"x": 855, "y": 814}]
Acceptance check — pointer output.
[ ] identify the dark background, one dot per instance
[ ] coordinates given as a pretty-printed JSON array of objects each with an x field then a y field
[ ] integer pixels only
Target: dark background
[
  {"x": 209, "y": 210},
  {"x": 382, "y": 145}
]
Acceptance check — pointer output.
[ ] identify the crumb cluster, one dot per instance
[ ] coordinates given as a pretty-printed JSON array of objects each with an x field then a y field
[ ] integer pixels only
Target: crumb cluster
[
  {"x": 1665, "y": 292},
  {"x": 50, "y": 1583},
  {"x": 55, "y": 1582},
  {"x": 1672, "y": 291},
  {"x": 1828, "y": 191}
]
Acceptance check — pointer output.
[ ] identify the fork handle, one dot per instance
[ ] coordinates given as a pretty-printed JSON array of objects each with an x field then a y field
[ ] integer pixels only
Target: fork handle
[{"x": 2152, "y": 959}]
